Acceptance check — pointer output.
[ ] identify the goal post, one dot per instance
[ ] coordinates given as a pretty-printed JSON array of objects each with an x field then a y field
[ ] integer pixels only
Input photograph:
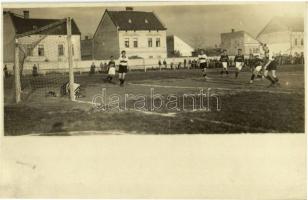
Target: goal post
[
  {"x": 70, "y": 58},
  {"x": 17, "y": 73},
  {"x": 24, "y": 84}
]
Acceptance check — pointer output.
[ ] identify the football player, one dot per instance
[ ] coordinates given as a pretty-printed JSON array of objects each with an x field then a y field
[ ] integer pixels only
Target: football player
[
  {"x": 239, "y": 62},
  {"x": 224, "y": 59}
]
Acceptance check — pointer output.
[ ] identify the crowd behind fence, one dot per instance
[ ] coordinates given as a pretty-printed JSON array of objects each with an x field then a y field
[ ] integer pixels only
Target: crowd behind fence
[{"x": 100, "y": 66}]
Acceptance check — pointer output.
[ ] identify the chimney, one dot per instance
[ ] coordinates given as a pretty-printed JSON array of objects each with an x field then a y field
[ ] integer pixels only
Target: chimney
[
  {"x": 129, "y": 8},
  {"x": 26, "y": 14},
  {"x": 232, "y": 30},
  {"x": 86, "y": 37}
]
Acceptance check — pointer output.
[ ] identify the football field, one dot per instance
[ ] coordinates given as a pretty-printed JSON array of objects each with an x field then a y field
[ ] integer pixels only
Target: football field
[{"x": 162, "y": 102}]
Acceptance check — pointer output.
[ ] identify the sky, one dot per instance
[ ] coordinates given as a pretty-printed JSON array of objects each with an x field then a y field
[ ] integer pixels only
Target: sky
[{"x": 195, "y": 24}]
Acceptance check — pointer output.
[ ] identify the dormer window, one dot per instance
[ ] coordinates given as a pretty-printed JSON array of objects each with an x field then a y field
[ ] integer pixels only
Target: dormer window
[
  {"x": 130, "y": 21},
  {"x": 146, "y": 21}
]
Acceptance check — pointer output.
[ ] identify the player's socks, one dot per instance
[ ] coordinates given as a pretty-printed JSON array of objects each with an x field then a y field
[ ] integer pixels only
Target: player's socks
[
  {"x": 227, "y": 72},
  {"x": 276, "y": 79},
  {"x": 252, "y": 77},
  {"x": 236, "y": 74},
  {"x": 270, "y": 79},
  {"x": 222, "y": 72}
]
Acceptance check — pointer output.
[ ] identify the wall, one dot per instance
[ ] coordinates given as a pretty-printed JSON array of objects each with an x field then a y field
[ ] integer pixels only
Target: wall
[
  {"x": 84, "y": 66},
  {"x": 232, "y": 42},
  {"x": 251, "y": 45},
  {"x": 106, "y": 40},
  {"x": 182, "y": 47},
  {"x": 8, "y": 39},
  {"x": 50, "y": 44},
  {"x": 143, "y": 50}
]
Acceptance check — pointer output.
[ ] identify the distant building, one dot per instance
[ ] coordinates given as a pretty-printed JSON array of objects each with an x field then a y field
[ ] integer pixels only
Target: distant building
[
  {"x": 176, "y": 45},
  {"x": 140, "y": 34},
  {"x": 87, "y": 49},
  {"x": 284, "y": 35},
  {"x": 235, "y": 40},
  {"x": 52, "y": 45}
]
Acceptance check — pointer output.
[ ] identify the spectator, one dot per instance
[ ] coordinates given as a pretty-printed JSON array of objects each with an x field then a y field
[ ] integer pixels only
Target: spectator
[
  {"x": 185, "y": 63},
  {"x": 101, "y": 66},
  {"x": 179, "y": 65},
  {"x": 6, "y": 73},
  {"x": 34, "y": 70},
  {"x": 92, "y": 68},
  {"x": 159, "y": 64},
  {"x": 165, "y": 63},
  {"x": 189, "y": 63},
  {"x": 171, "y": 65}
]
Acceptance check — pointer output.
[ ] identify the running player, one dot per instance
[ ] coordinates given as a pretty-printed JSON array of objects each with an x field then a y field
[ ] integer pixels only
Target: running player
[
  {"x": 270, "y": 64},
  {"x": 239, "y": 62},
  {"x": 111, "y": 70},
  {"x": 123, "y": 67},
  {"x": 202, "y": 58},
  {"x": 257, "y": 67},
  {"x": 224, "y": 59}
]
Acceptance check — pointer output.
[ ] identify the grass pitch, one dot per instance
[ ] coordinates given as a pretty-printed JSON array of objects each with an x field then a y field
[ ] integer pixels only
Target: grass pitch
[{"x": 244, "y": 107}]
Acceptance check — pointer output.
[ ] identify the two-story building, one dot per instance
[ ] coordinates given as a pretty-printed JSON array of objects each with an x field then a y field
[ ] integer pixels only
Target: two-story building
[
  {"x": 284, "y": 35},
  {"x": 235, "y": 40},
  {"x": 47, "y": 43},
  {"x": 140, "y": 34}
]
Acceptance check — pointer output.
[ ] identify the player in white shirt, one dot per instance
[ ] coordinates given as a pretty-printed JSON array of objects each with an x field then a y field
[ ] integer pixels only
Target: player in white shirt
[
  {"x": 202, "y": 58},
  {"x": 123, "y": 67}
]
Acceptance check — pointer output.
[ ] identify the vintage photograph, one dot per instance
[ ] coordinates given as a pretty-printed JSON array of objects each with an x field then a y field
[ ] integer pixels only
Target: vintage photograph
[
  {"x": 160, "y": 100},
  {"x": 162, "y": 69}
]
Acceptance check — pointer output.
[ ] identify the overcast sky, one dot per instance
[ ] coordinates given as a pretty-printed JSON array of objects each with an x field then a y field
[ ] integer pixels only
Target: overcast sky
[{"x": 190, "y": 22}]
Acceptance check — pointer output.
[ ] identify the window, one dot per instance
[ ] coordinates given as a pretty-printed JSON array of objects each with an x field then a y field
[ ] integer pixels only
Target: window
[
  {"x": 146, "y": 21},
  {"x": 295, "y": 42},
  {"x": 60, "y": 50},
  {"x": 29, "y": 50},
  {"x": 135, "y": 42},
  {"x": 41, "y": 50},
  {"x": 302, "y": 42},
  {"x": 149, "y": 42},
  {"x": 157, "y": 42},
  {"x": 126, "y": 42}
]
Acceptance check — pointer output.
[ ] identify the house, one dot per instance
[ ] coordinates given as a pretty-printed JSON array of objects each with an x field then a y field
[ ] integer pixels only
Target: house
[
  {"x": 176, "y": 45},
  {"x": 235, "y": 40},
  {"x": 140, "y": 34},
  {"x": 284, "y": 35},
  {"x": 47, "y": 43},
  {"x": 86, "y": 49}
]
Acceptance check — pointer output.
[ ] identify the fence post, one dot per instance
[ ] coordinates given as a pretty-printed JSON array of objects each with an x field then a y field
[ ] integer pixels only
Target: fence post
[
  {"x": 145, "y": 67},
  {"x": 70, "y": 58},
  {"x": 17, "y": 73}
]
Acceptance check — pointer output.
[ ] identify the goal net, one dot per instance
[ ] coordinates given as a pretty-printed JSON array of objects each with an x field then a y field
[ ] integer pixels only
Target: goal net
[{"x": 31, "y": 82}]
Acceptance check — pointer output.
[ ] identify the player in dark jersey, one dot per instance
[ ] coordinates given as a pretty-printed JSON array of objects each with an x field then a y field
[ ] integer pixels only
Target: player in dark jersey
[
  {"x": 239, "y": 62},
  {"x": 224, "y": 59},
  {"x": 257, "y": 67},
  {"x": 123, "y": 67},
  {"x": 270, "y": 64},
  {"x": 272, "y": 67}
]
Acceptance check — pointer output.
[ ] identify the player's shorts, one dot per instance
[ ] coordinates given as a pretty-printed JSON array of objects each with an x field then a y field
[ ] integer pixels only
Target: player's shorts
[
  {"x": 258, "y": 68},
  {"x": 239, "y": 65},
  {"x": 203, "y": 65},
  {"x": 271, "y": 66},
  {"x": 122, "y": 69},
  {"x": 225, "y": 65},
  {"x": 111, "y": 71}
]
